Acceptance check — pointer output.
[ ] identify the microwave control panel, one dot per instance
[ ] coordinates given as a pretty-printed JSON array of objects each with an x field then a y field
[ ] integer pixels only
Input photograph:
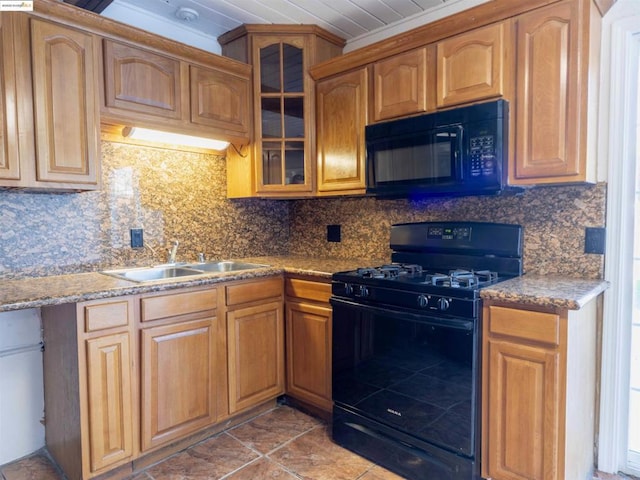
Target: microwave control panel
[{"x": 482, "y": 153}]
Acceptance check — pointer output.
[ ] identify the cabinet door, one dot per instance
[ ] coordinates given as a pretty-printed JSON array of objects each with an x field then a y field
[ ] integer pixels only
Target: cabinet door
[
  {"x": 309, "y": 353},
  {"x": 523, "y": 412},
  {"x": 110, "y": 399},
  {"x": 220, "y": 100},
  {"x": 256, "y": 354},
  {"x": 549, "y": 111},
  {"x": 178, "y": 380},
  {"x": 66, "y": 113},
  {"x": 140, "y": 81},
  {"x": 471, "y": 66},
  {"x": 400, "y": 85},
  {"x": 341, "y": 118},
  {"x": 284, "y": 107},
  {"x": 9, "y": 160}
]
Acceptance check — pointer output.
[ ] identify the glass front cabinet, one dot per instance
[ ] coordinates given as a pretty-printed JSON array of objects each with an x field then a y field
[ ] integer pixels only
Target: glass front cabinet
[{"x": 280, "y": 162}]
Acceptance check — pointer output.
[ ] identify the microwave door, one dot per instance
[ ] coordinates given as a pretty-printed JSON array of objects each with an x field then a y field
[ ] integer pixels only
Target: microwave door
[
  {"x": 429, "y": 157},
  {"x": 445, "y": 155}
]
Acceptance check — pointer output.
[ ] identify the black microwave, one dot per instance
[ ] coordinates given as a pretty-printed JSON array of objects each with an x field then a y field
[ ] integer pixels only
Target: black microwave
[{"x": 462, "y": 151}]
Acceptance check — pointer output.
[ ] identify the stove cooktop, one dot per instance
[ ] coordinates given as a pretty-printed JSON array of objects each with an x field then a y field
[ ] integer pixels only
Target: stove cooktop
[
  {"x": 413, "y": 273},
  {"x": 414, "y": 277}
]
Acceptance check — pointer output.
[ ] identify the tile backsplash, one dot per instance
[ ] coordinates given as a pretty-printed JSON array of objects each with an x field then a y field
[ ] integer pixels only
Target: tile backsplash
[
  {"x": 554, "y": 221},
  {"x": 181, "y": 196},
  {"x": 172, "y": 195}
]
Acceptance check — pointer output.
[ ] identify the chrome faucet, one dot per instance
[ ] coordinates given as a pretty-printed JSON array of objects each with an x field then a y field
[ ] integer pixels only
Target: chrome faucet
[{"x": 172, "y": 252}]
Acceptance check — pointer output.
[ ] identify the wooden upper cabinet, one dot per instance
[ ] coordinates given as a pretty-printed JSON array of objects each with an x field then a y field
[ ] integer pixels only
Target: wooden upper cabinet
[
  {"x": 341, "y": 118},
  {"x": 281, "y": 160},
  {"x": 409, "y": 70},
  {"x": 138, "y": 80},
  {"x": 556, "y": 48},
  {"x": 220, "y": 99},
  {"x": 66, "y": 108},
  {"x": 49, "y": 115},
  {"x": 472, "y": 66},
  {"x": 9, "y": 156}
]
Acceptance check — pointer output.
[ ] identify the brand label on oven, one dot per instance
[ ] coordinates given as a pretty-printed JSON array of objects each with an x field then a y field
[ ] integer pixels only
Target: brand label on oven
[{"x": 395, "y": 412}]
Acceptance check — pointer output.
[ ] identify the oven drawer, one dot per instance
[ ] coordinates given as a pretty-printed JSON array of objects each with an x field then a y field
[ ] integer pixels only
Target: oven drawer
[{"x": 535, "y": 326}]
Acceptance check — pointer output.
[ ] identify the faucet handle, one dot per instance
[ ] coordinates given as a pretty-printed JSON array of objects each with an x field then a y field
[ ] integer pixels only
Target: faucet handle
[{"x": 201, "y": 258}]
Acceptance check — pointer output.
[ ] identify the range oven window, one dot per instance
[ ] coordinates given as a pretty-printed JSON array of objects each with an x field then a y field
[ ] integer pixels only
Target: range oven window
[
  {"x": 430, "y": 156},
  {"x": 409, "y": 372}
]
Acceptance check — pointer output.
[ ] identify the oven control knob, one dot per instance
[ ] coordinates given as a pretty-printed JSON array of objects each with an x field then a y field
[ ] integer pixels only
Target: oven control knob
[
  {"x": 423, "y": 301},
  {"x": 364, "y": 291},
  {"x": 443, "y": 304},
  {"x": 348, "y": 289}
]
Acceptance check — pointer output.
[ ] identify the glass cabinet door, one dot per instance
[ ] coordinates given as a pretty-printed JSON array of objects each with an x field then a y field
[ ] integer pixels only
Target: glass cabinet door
[{"x": 282, "y": 132}]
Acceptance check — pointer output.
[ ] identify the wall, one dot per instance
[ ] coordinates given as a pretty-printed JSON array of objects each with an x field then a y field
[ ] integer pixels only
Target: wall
[
  {"x": 21, "y": 387},
  {"x": 554, "y": 219}
]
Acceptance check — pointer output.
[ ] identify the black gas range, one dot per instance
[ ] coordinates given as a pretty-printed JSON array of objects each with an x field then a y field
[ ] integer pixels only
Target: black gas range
[{"x": 406, "y": 347}]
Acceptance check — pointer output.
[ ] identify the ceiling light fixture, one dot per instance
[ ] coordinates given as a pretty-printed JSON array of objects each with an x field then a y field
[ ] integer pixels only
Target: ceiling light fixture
[
  {"x": 158, "y": 136},
  {"x": 187, "y": 14}
]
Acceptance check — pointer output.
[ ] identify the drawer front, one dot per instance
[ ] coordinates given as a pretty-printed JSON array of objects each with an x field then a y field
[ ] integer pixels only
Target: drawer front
[
  {"x": 317, "y": 291},
  {"x": 164, "y": 306},
  {"x": 525, "y": 324},
  {"x": 117, "y": 313},
  {"x": 253, "y": 291}
]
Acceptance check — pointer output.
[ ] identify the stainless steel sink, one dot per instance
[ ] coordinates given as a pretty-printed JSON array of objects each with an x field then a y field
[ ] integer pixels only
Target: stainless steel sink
[
  {"x": 225, "y": 266},
  {"x": 168, "y": 272},
  {"x": 149, "y": 274}
]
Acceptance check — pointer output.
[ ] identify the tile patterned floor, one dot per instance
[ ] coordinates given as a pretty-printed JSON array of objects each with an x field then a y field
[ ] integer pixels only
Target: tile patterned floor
[{"x": 282, "y": 444}]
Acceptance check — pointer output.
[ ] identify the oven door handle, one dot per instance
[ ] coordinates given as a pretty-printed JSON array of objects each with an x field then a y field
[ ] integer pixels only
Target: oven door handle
[{"x": 426, "y": 318}]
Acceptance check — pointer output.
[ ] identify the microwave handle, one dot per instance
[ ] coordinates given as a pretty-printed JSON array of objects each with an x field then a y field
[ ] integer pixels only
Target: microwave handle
[{"x": 458, "y": 153}]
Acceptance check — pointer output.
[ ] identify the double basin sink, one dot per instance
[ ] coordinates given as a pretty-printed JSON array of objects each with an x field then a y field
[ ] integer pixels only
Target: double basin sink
[{"x": 176, "y": 271}]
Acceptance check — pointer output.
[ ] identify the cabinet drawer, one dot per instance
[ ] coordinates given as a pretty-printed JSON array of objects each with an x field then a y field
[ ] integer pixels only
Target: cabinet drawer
[
  {"x": 107, "y": 315},
  {"x": 536, "y": 326},
  {"x": 317, "y": 291},
  {"x": 164, "y": 306},
  {"x": 252, "y": 291}
]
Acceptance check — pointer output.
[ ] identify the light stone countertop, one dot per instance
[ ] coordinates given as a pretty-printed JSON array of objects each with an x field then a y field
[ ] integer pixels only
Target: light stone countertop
[
  {"x": 36, "y": 292},
  {"x": 546, "y": 291}
]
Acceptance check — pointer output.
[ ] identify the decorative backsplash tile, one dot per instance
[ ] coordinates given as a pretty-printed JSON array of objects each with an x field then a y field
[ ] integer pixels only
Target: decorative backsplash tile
[
  {"x": 170, "y": 194},
  {"x": 181, "y": 196},
  {"x": 554, "y": 219}
]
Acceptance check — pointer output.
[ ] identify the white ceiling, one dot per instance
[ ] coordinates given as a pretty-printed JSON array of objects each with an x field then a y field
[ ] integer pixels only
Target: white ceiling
[{"x": 358, "y": 21}]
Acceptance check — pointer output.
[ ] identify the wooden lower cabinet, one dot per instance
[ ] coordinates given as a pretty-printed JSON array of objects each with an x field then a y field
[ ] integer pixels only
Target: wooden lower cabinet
[
  {"x": 110, "y": 399},
  {"x": 308, "y": 342},
  {"x": 90, "y": 390},
  {"x": 130, "y": 378},
  {"x": 538, "y": 392},
  {"x": 255, "y": 342},
  {"x": 178, "y": 378}
]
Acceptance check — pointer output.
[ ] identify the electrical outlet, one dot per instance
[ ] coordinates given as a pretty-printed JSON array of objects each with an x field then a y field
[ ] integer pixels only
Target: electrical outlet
[
  {"x": 333, "y": 233},
  {"x": 594, "y": 240},
  {"x": 137, "y": 240}
]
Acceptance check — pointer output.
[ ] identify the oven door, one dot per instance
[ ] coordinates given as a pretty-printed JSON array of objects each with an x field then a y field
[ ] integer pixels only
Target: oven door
[{"x": 414, "y": 374}]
